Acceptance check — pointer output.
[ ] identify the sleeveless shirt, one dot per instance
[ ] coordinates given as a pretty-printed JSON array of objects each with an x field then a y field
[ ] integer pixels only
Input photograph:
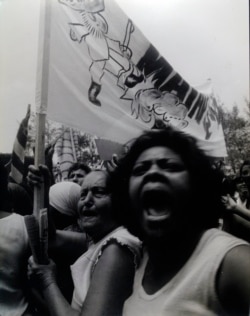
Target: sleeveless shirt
[
  {"x": 84, "y": 266},
  {"x": 192, "y": 291}
]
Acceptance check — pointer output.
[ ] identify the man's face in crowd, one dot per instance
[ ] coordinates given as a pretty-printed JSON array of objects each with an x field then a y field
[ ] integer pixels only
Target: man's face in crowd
[
  {"x": 228, "y": 172},
  {"x": 77, "y": 176}
]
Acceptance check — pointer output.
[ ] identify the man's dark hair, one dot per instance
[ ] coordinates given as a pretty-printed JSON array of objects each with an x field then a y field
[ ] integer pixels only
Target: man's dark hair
[
  {"x": 79, "y": 165},
  {"x": 206, "y": 185}
]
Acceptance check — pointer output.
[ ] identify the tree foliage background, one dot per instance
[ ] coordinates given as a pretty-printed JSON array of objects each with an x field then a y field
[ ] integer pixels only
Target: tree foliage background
[{"x": 236, "y": 129}]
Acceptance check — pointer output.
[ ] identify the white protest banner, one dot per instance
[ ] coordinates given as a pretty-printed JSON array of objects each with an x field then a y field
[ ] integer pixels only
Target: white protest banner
[{"x": 107, "y": 79}]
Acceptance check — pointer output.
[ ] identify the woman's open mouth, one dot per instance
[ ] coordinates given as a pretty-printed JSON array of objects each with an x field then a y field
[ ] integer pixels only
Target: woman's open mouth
[{"x": 155, "y": 204}]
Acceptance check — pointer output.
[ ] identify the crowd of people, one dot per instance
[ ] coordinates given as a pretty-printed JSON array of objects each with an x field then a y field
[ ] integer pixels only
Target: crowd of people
[
  {"x": 158, "y": 231},
  {"x": 236, "y": 200}
]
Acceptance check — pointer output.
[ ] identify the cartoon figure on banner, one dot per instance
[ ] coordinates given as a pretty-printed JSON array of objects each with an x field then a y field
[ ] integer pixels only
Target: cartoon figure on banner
[
  {"x": 159, "y": 108},
  {"x": 106, "y": 54}
]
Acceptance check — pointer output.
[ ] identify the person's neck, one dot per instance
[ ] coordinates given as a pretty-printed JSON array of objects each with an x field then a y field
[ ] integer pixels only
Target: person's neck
[
  {"x": 166, "y": 258},
  {"x": 172, "y": 252}
]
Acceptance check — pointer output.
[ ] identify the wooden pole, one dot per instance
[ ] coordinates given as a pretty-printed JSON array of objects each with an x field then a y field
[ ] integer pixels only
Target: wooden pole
[
  {"x": 42, "y": 82},
  {"x": 39, "y": 159}
]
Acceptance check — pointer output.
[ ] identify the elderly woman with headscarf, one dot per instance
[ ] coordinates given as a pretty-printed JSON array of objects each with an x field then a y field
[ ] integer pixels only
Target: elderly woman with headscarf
[
  {"x": 63, "y": 200},
  {"x": 103, "y": 275}
]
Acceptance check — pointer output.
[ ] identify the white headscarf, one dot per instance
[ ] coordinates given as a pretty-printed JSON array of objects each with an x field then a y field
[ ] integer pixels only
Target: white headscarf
[{"x": 64, "y": 197}]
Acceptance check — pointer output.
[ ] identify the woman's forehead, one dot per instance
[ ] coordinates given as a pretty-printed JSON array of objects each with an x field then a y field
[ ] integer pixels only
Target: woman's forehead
[
  {"x": 95, "y": 178},
  {"x": 157, "y": 152}
]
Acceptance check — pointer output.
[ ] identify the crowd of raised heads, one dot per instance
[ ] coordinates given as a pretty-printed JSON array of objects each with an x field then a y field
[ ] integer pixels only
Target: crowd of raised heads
[{"x": 161, "y": 230}]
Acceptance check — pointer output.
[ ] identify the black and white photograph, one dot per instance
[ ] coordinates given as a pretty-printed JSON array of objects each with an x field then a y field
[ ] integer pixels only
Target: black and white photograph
[{"x": 124, "y": 158}]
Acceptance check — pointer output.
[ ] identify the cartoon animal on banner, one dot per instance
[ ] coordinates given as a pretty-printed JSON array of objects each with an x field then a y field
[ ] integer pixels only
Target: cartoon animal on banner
[{"x": 93, "y": 29}]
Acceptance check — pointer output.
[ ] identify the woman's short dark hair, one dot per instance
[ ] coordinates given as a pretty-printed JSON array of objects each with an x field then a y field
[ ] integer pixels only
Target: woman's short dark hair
[{"x": 205, "y": 179}]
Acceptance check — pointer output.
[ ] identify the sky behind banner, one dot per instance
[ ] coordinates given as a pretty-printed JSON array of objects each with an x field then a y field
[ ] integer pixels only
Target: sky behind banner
[
  {"x": 211, "y": 41},
  {"x": 107, "y": 79}
]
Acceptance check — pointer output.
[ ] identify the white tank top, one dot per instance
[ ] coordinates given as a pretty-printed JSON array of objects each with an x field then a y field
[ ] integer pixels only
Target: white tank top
[
  {"x": 192, "y": 291},
  {"x": 83, "y": 267}
]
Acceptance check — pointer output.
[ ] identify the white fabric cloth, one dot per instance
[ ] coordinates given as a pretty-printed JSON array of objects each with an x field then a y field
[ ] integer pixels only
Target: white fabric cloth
[
  {"x": 135, "y": 87},
  {"x": 13, "y": 263},
  {"x": 192, "y": 290},
  {"x": 82, "y": 269},
  {"x": 64, "y": 197}
]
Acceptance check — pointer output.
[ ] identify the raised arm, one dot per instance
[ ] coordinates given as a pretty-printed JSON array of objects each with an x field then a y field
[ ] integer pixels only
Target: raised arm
[
  {"x": 236, "y": 208},
  {"x": 37, "y": 176},
  {"x": 242, "y": 211}
]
